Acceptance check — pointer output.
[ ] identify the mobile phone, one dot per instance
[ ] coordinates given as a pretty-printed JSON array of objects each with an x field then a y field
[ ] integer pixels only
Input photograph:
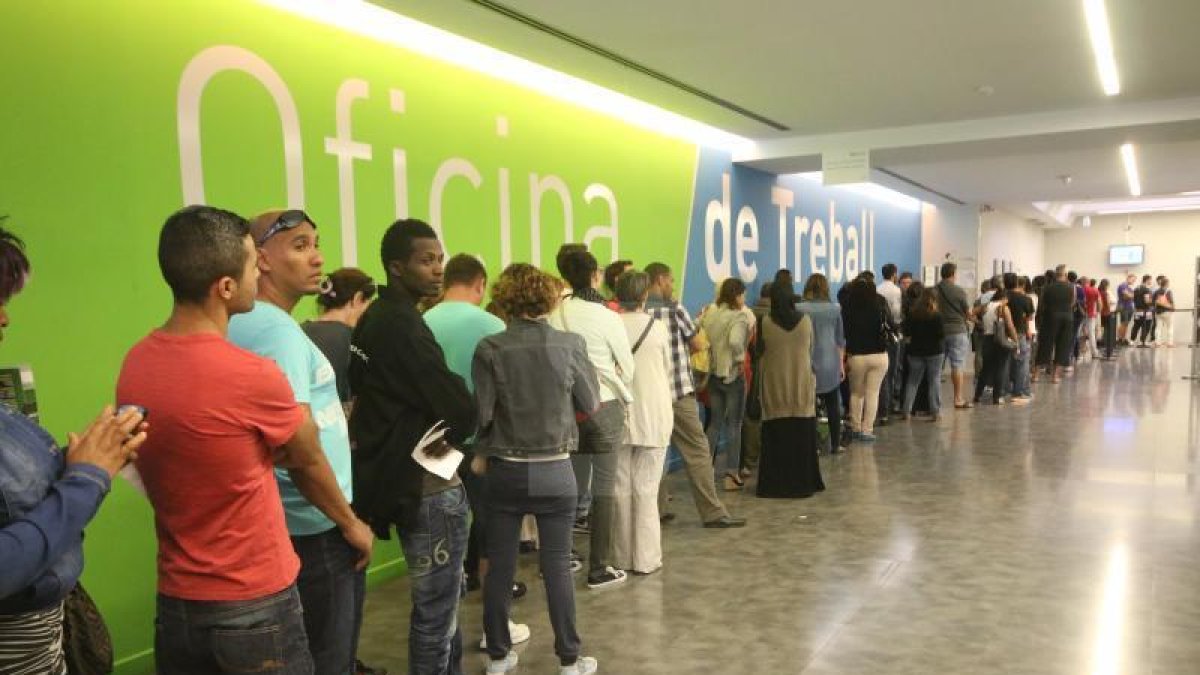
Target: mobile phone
[{"x": 129, "y": 406}]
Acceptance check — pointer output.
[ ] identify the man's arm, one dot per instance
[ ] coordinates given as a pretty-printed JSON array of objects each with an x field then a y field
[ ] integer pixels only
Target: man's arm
[
  {"x": 688, "y": 330},
  {"x": 443, "y": 392},
  {"x": 307, "y": 466}
]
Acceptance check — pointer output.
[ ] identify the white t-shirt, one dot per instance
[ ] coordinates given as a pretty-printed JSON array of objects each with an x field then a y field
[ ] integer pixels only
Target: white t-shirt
[
  {"x": 894, "y": 297},
  {"x": 989, "y": 318},
  {"x": 651, "y": 415}
]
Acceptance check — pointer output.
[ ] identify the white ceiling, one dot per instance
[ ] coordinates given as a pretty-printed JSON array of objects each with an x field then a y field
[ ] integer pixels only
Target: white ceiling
[{"x": 898, "y": 77}]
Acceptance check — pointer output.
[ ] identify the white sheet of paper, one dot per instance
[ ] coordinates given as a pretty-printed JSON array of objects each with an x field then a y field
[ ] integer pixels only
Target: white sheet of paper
[{"x": 444, "y": 466}]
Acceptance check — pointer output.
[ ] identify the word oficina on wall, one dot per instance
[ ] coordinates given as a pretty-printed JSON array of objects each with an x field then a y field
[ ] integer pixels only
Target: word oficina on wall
[{"x": 215, "y": 60}]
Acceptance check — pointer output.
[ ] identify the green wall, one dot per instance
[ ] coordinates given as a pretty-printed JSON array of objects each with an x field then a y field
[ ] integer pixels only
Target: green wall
[{"x": 90, "y": 165}]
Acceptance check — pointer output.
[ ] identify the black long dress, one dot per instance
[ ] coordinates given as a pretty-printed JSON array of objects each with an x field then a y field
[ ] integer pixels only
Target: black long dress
[{"x": 788, "y": 466}]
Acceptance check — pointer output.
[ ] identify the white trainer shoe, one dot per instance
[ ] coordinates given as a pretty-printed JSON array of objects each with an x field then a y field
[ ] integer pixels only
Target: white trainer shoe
[
  {"x": 500, "y": 667},
  {"x": 519, "y": 633},
  {"x": 586, "y": 665}
]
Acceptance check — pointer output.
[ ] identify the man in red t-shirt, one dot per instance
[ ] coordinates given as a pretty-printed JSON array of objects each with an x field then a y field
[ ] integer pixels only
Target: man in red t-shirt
[
  {"x": 224, "y": 418},
  {"x": 1091, "y": 306}
]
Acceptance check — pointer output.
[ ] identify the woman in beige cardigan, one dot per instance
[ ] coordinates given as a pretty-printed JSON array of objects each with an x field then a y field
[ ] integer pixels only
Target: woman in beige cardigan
[{"x": 788, "y": 467}]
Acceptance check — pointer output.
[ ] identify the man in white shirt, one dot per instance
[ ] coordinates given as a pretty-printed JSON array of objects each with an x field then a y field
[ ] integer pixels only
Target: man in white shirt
[{"x": 891, "y": 294}]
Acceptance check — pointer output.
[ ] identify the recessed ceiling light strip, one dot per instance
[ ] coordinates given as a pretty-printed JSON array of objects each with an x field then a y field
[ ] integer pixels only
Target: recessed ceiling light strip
[
  {"x": 384, "y": 25},
  {"x": 1102, "y": 45},
  {"x": 1131, "y": 170}
]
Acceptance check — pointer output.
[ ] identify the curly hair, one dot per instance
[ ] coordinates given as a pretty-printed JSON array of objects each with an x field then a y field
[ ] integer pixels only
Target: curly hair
[
  {"x": 524, "y": 291},
  {"x": 14, "y": 265}
]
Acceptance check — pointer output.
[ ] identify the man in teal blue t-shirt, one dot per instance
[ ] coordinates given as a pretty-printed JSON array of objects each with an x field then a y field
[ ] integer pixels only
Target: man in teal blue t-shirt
[
  {"x": 333, "y": 545},
  {"x": 458, "y": 324}
]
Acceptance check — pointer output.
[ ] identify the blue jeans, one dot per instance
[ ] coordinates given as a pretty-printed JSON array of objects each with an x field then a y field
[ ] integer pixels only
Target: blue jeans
[
  {"x": 264, "y": 635},
  {"x": 434, "y": 549},
  {"x": 930, "y": 369},
  {"x": 1019, "y": 367},
  {"x": 332, "y": 593},
  {"x": 728, "y": 404},
  {"x": 887, "y": 393}
]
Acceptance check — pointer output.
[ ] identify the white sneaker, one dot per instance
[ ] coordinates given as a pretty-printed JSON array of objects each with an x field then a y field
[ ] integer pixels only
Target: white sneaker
[
  {"x": 499, "y": 667},
  {"x": 519, "y": 633},
  {"x": 586, "y": 665}
]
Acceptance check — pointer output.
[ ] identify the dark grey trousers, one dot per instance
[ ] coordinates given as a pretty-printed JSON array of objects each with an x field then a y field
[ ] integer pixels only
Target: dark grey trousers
[
  {"x": 600, "y": 436},
  {"x": 547, "y": 491}
]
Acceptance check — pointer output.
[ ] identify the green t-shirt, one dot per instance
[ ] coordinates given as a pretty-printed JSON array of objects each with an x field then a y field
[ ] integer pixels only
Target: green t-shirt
[{"x": 458, "y": 327}]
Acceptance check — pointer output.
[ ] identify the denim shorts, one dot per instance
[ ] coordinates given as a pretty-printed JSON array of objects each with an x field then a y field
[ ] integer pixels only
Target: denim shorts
[{"x": 958, "y": 348}]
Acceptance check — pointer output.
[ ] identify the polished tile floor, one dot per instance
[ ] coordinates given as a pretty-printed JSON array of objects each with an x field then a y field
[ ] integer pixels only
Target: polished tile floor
[{"x": 1059, "y": 537}]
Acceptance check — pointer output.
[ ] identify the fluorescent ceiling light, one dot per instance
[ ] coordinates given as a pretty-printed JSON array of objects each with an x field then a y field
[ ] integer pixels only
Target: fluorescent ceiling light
[
  {"x": 1102, "y": 45},
  {"x": 1131, "y": 170},
  {"x": 378, "y": 23},
  {"x": 871, "y": 190}
]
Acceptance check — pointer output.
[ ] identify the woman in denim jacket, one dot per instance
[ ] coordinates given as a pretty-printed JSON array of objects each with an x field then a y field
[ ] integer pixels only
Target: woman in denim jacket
[
  {"x": 46, "y": 499},
  {"x": 530, "y": 382}
]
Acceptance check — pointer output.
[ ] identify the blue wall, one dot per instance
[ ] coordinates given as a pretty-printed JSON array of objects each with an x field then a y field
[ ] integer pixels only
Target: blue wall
[{"x": 840, "y": 232}]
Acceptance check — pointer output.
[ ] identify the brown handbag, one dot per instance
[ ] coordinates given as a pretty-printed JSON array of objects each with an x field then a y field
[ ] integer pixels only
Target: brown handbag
[{"x": 87, "y": 644}]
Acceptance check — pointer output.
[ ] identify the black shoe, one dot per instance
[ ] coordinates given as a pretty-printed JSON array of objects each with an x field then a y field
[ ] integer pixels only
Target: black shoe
[
  {"x": 881, "y": 422},
  {"x": 361, "y": 668},
  {"x": 609, "y": 577},
  {"x": 528, "y": 547},
  {"x": 725, "y": 522},
  {"x": 519, "y": 589},
  {"x": 582, "y": 526},
  {"x": 666, "y": 517}
]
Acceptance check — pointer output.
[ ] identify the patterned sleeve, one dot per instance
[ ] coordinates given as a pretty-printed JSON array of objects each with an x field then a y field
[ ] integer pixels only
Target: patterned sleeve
[{"x": 687, "y": 327}]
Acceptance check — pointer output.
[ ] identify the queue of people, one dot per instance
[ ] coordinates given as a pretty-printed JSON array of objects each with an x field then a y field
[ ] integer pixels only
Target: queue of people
[{"x": 279, "y": 452}]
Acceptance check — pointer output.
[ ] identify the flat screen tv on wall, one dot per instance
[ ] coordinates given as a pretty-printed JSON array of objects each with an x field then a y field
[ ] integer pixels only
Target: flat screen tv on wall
[{"x": 1126, "y": 255}]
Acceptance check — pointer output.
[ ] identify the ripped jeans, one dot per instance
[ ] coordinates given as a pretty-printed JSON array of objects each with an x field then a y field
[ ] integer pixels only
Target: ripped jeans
[{"x": 433, "y": 549}]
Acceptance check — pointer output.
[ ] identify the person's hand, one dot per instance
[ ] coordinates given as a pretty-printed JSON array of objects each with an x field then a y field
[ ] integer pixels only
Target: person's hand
[
  {"x": 479, "y": 465},
  {"x": 438, "y": 449},
  {"x": 110, "y": 442},
  {"x": 359, "y": 535}
]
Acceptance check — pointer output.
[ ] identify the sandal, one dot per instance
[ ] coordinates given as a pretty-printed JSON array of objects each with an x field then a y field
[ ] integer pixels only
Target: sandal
[
  {"x": 964, "y": 406},
  {"x": 733, "y": 477}
]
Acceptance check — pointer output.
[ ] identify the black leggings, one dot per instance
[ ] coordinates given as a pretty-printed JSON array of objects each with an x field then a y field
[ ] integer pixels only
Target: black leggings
[
  {"x": 995, "y": 369},
  {"x": 1110, "y": 334},
  {"x": 833, "y": 410},
  {"x": 1056, "y": 340}
]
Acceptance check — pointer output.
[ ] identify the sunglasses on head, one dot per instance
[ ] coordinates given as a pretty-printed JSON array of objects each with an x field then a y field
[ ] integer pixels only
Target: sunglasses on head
[{"x": 287, "y": 220}]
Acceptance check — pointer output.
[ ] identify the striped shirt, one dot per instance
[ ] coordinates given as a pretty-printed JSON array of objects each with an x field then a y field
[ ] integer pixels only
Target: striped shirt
[
  {"x": 31, "y": 643},
  {"x": 682, "y": 329}
]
